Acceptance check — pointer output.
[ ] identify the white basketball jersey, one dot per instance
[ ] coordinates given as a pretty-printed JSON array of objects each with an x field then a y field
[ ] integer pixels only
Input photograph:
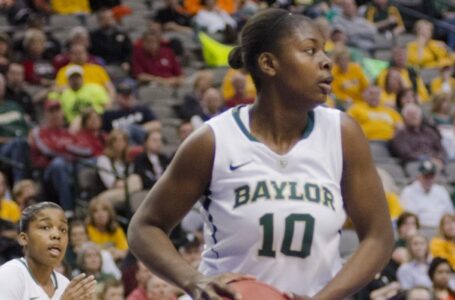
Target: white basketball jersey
[
  {"x": 17, "y": 283},
  {"x": 277, "y": 217}
]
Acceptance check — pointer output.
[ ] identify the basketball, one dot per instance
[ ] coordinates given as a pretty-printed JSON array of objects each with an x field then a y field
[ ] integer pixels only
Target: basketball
[{"x": 256, "y": 290}]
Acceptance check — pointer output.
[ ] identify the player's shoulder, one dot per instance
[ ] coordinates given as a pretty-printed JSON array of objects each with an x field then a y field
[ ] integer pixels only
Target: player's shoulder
[{"x": 13, "y": 272}]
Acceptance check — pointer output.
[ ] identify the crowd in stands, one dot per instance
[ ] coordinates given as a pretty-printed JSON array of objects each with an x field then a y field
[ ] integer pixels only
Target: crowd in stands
[{"x": 85, "y": 113}]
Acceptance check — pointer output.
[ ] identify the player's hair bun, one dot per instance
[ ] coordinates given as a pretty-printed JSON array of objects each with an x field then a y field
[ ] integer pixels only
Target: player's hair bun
[{"x": 235, "y": 58}]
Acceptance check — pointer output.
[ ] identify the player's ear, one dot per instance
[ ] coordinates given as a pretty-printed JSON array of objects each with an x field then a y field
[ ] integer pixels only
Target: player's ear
[
  {"x": 268, "y": 63},
  {"x": 22, "y": 239}
]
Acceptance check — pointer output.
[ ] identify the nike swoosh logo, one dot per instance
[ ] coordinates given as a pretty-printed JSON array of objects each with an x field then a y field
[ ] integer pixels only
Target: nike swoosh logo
[
  {"x": 34, "y": 298},
  {"x": 233, "y": 168}
]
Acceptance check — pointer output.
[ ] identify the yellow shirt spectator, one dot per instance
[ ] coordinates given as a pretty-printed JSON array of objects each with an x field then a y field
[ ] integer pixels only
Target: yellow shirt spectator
[
  {"x": 349, "y": 85},
  {"x": 92, "y": 74},
  {"x": 107, "y": 239},
  {"x": 68, "y": 7},
  {"x": 394, "y": 205},
  {"x": 9, "y": 211},
  {"x": 228, "y": 90},
  {"x": 378, "y": 123},
  {"x": 422, "y": 91},
  {"x": 440, "y": 247},
  {"x": 388, "y": 99},
  {"x": 437, "y": 85},
  {"x": 433, "y": 55}
]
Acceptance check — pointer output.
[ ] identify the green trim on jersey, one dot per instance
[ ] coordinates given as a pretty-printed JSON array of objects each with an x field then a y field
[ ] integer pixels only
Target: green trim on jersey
[
  {"x": 236, "y": 114},
  {"x": 53, "y": 276}
]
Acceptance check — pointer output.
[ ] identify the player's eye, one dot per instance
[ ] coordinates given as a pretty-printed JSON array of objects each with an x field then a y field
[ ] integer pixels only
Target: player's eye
[
  {"x": 64, "y": 230},
  {"x": 45, "y": 227},
  {"x": 310, "y": 51}
]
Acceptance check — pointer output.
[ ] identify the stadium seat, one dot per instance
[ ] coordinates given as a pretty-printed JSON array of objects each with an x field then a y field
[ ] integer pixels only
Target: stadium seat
[
  {"x": 151, "y": 93},
  {"x": 380, "y": 152},
  {"x": 349, "y": 242},
  {"x": 396, "y": 171},
  {"x": 136, "y": 199}
]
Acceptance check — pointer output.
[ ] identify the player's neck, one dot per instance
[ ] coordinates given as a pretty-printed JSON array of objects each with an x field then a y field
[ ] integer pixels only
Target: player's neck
[{"x": 41, "y": 273}]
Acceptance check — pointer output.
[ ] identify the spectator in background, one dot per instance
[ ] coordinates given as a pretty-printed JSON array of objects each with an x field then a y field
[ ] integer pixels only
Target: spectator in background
[
  {"x": 360, "y": 32},
  {"x": 90, "y": 134},
  {"x": 385, "y": 17},
  {"x": 378, "y": 122},
  {"x": 407, "y": 226},
  {"x": 409, "y": 75},
  {"x": 63, "y": 7},
  {"x": 444, "y": 244},
  {"x": 211, "y": 104},
  {"x": 393, "y": 85},
  {"x": 428, "y": 200},
  {"x": 153, "y": 63},
  {"x": 25, "y": 193},
  {"x": 129, "y": 115},
  {"x": 92, "y": 73},
  {"x": 52, "y": 149},
  {"x": 9, "y": 210},
  {"x": 215, "y": 21},
  {"x": 440, "y": 273},
  {"x": 173, "y": 17},
  {"x": 115, "y": 170},
  {"x": 151, "y": 164},
  {"x": 425, "y": 52},
  {"x": 444, "y": 82},
  {"x": 79, "y": 94},
  {"x": 404, "y": 97},
  {"x": 13, "y": 131},
  {"x": 419, "y": 293},
  {"x": 16, "y": 92},
  {"x": 227, "y": 87},
  {"x": 5, "y": 52},
  {"x": 77, "y": 35},
  {"x": 239, "y": 82},
  {"x": 143, "y": 275},
  {"x": 417, "y": 140},
  {"x": 104, "y": 230},
  {"x": 349, "y": 80},
  {"x": 192, "y": 101},
  {"x": 109, "y": 42},
  {"x": 415, "y": 272},
  {"x": 448, "y": 138},
  {"x": 9, "y": 246},
  {"x": 441, "y": 110},
  {"x": 78, "y": 236},
  {"x": 38, "y": 69},
  {"x": 158, "y": 289},
  {"x": 112, "y": 290}
]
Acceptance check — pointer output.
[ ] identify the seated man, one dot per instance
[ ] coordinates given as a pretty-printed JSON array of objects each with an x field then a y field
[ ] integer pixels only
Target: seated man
[
  {"x": 80, "y": 95},
  {"x": 173, "y": 18},
  {"x": 378, "y": 122},
  {"x": 129, "y": 115},
  {"x": 155, "y": 63},
  {"x": 53, "y": 148}
]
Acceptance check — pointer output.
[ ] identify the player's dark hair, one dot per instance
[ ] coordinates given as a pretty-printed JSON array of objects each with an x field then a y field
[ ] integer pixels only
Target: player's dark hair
[
  {"x": 435, "y": 264},
  {"x": 263, "y": 33},
  {"x": 28, "y": 215}
]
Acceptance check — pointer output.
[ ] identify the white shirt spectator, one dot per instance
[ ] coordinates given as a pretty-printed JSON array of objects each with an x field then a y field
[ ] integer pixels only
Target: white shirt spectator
[
  {"x": 412, "y": 274},
  {"x": 214, "y": 21},
  {"x": 429, "y": 207}
]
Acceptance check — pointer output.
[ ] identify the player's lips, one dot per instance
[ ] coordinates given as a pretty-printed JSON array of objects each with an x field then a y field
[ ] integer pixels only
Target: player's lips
[
  {"x": 325, "y": 85},
  {"x": 55, "y": 250}
]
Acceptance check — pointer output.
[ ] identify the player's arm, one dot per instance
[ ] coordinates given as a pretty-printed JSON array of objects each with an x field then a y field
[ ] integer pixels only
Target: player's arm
[
  {"x": 174, "y": 194},
  {"x": 366, "y": 205}
]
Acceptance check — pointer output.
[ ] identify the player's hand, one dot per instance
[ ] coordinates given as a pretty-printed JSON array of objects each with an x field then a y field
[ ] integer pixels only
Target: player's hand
[
  {"x": 82, "y": 287},
  {"x": 216, "y": 287}
]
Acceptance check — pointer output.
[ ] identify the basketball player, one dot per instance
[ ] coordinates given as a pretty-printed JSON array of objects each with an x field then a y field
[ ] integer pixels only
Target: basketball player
[
  {"x": 280, "y": 177},
  {"x": 44, "y": 237}
]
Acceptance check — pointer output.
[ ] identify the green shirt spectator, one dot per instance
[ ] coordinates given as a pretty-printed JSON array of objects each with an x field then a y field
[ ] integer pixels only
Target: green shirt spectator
[{"x": 12, "y": 120}]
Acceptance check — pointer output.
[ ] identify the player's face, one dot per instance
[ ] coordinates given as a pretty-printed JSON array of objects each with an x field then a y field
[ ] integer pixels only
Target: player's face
[
  {"x": 304, "y": 70},
  {"x": 46, "y": 238}
]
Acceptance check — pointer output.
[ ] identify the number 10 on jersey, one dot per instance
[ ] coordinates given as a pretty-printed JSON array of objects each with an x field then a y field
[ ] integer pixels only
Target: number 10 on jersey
[{"x": 267, "y": 222}]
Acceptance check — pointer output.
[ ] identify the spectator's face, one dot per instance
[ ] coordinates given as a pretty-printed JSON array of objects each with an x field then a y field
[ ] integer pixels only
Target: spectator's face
[
  {"x": 153, "y": 144},
  {"x": 100, "y": 216},
  {"x": 372, "y": 96},
  {"x": 419, "y": 247},
  {"x": 192, "y": 256},
  {"x": 106, "y": 19},
  {"x": 408, "y": 228},
  {"x": 114, "y": 293},
  {"x": 419, "y": 294},
  {"x": 427, "y": 181},
  {"x": 448, "y": 227},
  {"x": 82, "y": 39},
  {"x": 394, "y": 81},
  {"x": 408, "y": 97},
  {"x": 210, "y": 4},
  {"x": 151, "y": 44},
  {"x": 56, "y": 118},
  {"x": 412, "y": 116},
  {"x": 27, "y": 197},
  {"x": 185, "y": 130},
  {"x": 94, "y": 122},
  {"x": 349, "y": 8},
  {"x": 4, "y": 48},
  {"x": 343, "y": 61},
  {"x": 158, "y": 289},
  {"x": 239, "y": 83},
  {"x": 399, "y": 57},
  {"x": 92, "y": 260},
  {"x": 119, "y": 145},
  {"x": 78, "y": 54},
  {"x": 204, "y": 81},
  {"x": 15, "y": 75},
  {"x": 125, "y": 100},
  {"x": 78, "y": 236},
  {"x": 425, "y": 31},
  {"x": 442, "y": 275},
  {"x": 75, "y": 81},
  {"x": 381, "y": 2},
  {"x": 212, "y": 101},
  {"x": 36, "y": 47}
]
